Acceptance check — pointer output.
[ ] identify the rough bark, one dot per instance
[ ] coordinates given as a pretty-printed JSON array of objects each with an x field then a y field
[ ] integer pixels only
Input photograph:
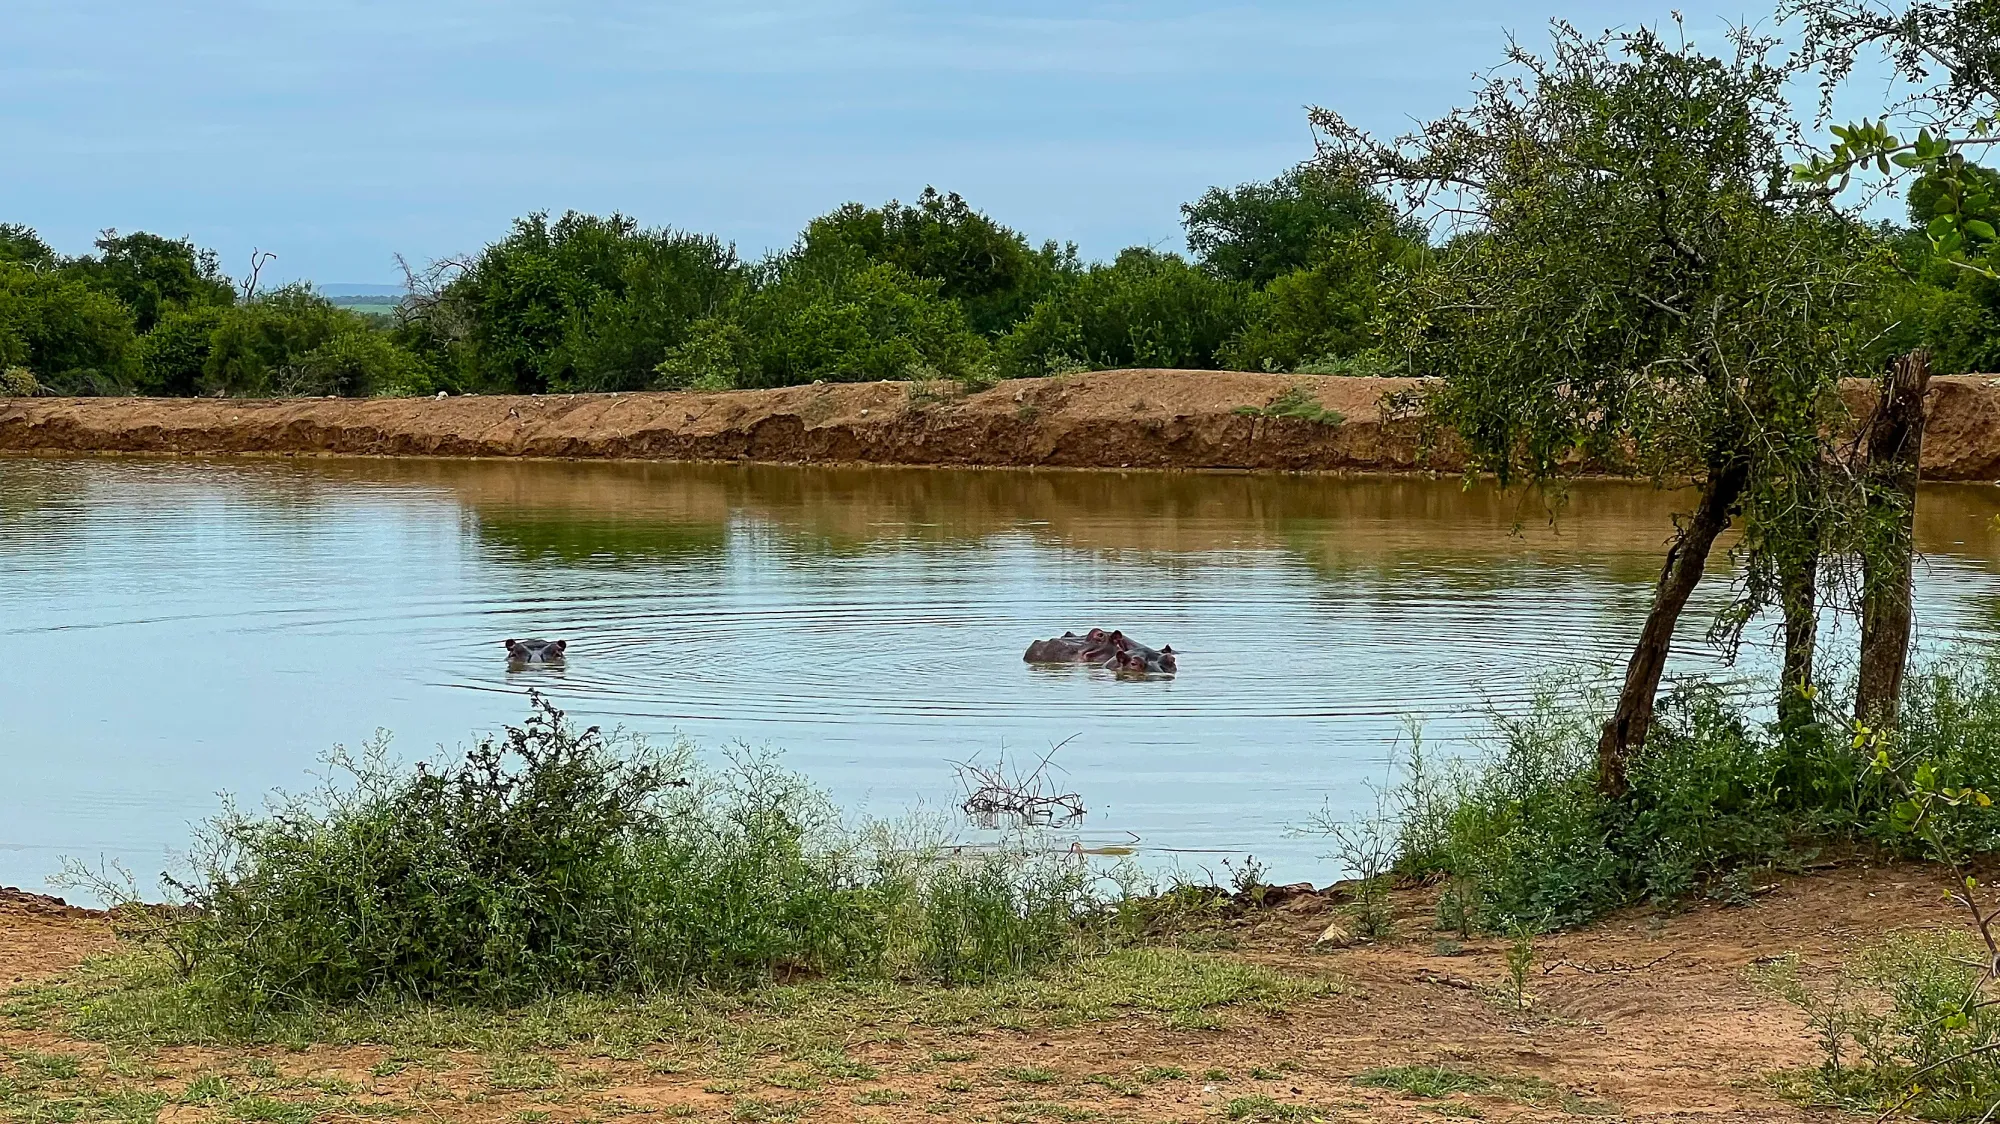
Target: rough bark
[
  {"x": 1626, "y": 731},
  {"x": 1798, "y": 591},
  {"x": 1894, "y": 437}
]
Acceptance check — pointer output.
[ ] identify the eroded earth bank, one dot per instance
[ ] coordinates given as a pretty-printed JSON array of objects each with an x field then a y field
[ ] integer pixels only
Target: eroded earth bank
[{"x": 1104, "y": 419}]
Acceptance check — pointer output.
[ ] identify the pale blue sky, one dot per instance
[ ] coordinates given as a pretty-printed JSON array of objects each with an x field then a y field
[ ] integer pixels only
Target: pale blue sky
[{"x": 339, "y": 132}]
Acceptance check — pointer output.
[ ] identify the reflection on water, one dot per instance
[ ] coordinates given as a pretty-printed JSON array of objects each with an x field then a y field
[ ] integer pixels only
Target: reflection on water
[{"x": 182, "y": 627}]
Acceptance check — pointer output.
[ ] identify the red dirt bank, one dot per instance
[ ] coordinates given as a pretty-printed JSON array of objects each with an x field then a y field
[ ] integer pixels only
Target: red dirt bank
[{"x": 1104, "y": 419}]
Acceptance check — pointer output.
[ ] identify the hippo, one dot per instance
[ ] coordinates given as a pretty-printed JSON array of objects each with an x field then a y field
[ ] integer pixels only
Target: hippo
[
  {"x": 1137, "y": 659},
  {"x": 1107, "y": 649},
  {"x": 536, "y": 651}
]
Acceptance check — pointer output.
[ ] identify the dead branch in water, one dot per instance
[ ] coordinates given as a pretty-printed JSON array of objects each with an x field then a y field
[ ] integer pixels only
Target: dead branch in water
[{"x": 1001, "y": 791}]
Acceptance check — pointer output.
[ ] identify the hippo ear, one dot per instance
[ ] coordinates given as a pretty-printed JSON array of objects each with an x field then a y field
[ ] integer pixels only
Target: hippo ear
[
  {"x": 558, "y": 646},
  {"x": 1167, "y": 651},
  {"x": 511, "y": 644}
]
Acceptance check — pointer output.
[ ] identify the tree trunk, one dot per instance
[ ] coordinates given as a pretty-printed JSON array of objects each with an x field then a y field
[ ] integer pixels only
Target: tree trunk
[
  {"x": 1798, "y": 591},
  {"x": 1895, "y": 437},
  {"x": 1626, "y": 731}
]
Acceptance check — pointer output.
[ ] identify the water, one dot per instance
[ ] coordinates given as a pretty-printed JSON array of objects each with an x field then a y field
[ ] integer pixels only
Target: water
[{"x": 175, "y": 629}]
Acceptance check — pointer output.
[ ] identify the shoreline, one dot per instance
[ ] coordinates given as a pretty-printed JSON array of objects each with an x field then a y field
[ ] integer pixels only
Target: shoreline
[{"x": 1130, "y": 419}]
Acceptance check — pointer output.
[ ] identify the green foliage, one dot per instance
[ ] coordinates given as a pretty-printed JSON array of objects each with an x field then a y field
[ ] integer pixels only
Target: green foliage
[
  {"x": 153, "y": 275},
  {"x": 837, "y": 318},
  {"x": 291, "y": 341},
  {"x": 174, "y": 354},
  {"x": 1328, "y": 311},
  {"x": 1906, "y": 1028},
  {"x": 1624, "y": 267},
  {"x": 1424, "y": 1080},
  {"x": 1258, "y": 232},
  {"x": 579, "y": 304},
  {"x": 20, "y": 245},
  {"x": 555, "y": 860},
  {"x": 1146, "y": 309},
  {"x": 1526, "y": 838},
  {"x": 987, "y": 269},
  {"x": 18, "y": 382},
  {"x": 75, "y": 339},
  {"x": 1297, "y": 401}
]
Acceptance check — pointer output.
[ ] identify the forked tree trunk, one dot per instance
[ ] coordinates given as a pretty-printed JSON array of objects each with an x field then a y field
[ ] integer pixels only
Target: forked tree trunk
[
  {"x": 1895, "y": 437},
  {"x": 1798, "y": 592},
  {"x": 1626, "y": 731}
]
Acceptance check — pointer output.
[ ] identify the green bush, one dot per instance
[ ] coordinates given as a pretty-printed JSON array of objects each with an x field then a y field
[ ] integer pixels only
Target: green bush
[
  {"x": 1146, "y": 309},
  {"x": 1524, "y": 836},
  {"x": 582, "y": 303},
  {"x": 18, "y": 382},
  {"x": 76, "y": 339},
  {"x": 985, "y": 268},
  {"x": 152, "y": 275},
  {"x": 1326, "y": 314},
  {"x": 1259, "y": 232},
  {"x": 555, "y": 860},
  {"x": 1908, "y": 1027},
  {"x": 295, "y": 341},
  {"x": 174, "y": 354},
  {"x": 818, "y": 316}
]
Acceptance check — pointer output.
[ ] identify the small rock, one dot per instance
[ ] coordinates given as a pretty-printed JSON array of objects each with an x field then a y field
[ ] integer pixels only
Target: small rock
[
  {"x": 1336, "y": 935},
  {"x": 443, "y": 394},
  {"x": 864, "y": 413}
]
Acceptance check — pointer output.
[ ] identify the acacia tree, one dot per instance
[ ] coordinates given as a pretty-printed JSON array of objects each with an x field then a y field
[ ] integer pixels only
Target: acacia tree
[
  {"x": 1628, "y": 280},
  {"x": 1946, "y": 53}
]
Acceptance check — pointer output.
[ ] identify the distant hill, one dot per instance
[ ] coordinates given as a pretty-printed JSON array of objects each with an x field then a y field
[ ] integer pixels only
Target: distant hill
[{"x": 337, "y": 290}]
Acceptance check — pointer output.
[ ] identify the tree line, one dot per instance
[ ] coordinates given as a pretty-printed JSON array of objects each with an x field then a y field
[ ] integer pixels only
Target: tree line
[{"x": 1295, "y": 274}]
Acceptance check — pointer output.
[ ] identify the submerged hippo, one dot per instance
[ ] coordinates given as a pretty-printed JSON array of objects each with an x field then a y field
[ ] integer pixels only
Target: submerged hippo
[
  {"x": 1113, "y": 649},
  {"x": 535, "y": 651}
]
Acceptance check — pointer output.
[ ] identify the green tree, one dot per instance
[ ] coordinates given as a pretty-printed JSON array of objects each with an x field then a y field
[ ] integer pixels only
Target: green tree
[
  {"x": 1328, "y": 311},
  {"x": 22, "y": 246},
  {"x": 990, "y": 270},
  {"x": 73, "y": 338},
  {"x": 810, "y": 317},
  {"x": 172, "y": 357},
  {"x": 1634, "y": 286},
  {"x": 294, "y": 341},
  {"x": 1146, "y": 309},
  {"x": 153, "y": 275},
  {"x": 582, "y": 303},
  {"x": 1258, "y": 232}
]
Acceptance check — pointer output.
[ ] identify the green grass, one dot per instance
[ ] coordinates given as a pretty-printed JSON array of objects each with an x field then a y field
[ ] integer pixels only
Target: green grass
[
  {"x": 1424, "y": 1080},
  {"x": 1031, "y": 1074},
  {"x": 1262, "y": 1108},
  {"x": 131, "y": 999},
  {"x": 1295, "y": 402}
]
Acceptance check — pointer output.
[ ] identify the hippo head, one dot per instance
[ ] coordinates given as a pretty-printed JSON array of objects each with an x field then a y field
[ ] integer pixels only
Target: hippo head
[{"x": 535, "y": 651}]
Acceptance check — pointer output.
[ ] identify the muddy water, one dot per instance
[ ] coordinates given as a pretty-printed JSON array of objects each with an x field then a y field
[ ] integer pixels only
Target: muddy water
[{"x": 174, "y": 629}]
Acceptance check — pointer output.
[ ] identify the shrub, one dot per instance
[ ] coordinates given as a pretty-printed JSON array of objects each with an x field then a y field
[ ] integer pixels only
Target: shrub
[
  {"x": 1325, "y": 313},
  {"x": 174, "y": 354},
  {"x": 77, "y": 340},
  {"x": 1145, "y": 310},
  {"x": 1525, "y": 837},
  {"x": 581, "y": 303},
  {"x": 553, "y": 859},
  {"x": 18, "y": 382},
  {"x": 1259, "y": 232},
  {"x": 816, "y": 317},
  {"x": 1909, "y": 1027},
  {"x": 987, "y": 269},
  {"x": 295, "y": 341}
]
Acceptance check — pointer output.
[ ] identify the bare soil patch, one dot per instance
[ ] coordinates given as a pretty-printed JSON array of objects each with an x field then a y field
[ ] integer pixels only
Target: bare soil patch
[
  {"x": 1102, "y": 419},
  {"x": 1647, "y": 1016}
]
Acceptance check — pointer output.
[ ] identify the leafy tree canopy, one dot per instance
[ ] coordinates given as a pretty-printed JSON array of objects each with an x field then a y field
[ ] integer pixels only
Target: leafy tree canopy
[
  {"x": 1257, "y": 232},
  {"x": 151, "y": 274}
]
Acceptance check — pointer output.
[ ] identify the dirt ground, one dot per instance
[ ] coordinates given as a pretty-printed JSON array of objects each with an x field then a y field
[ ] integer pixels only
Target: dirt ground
[
  {"x": 1643, "y": 1017},
  {"x": 1103, "y": 419}
]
